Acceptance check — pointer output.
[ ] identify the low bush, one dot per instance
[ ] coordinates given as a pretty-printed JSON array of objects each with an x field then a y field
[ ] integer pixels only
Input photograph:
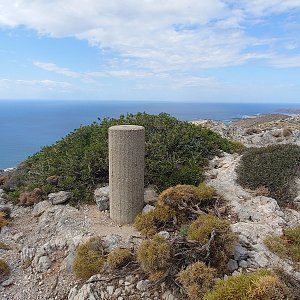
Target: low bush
[
  {"x": 176, "y": 206},
  {"x": 176, "y": 152},
  {"x": 261, "y": 285},
  {"x": 89, "y": 258},
  {"x": 274, "y": 167},
  {"x": 197, "y": 279},
  {"x": 153, "y": 255},
  {"x": 217, "y": 235},
  {"x": 152, "y": 222},
  {"x": 118, "y": 258},
  {"x": 287, "y": 245},
  {"x": 183, "y": 199},
  {"x": 4, "y": 269}
]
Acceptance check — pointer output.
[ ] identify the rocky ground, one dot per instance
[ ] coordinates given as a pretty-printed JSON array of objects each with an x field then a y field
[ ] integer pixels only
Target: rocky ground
[
  {"x": 42, "y": 238},
  {"x": 260, "y": 131},
  {"x": 42, "y": 241},
  {"x": 258, "y": 216}
]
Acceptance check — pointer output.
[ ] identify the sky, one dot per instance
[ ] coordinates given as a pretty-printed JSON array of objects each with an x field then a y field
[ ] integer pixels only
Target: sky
[{"x": 162, "y": 50}]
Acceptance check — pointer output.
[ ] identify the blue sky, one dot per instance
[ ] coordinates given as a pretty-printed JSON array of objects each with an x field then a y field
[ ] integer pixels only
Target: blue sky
[{"x": 187, "y": 50}]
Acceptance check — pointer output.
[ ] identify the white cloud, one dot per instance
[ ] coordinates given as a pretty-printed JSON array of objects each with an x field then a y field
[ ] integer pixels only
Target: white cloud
[
  {"x": 34, "y": 89},
  {"x": 286, "y": 62},
  {"x": 56, "y": 69},
  {"x": 265, "y": 7},
  {"x": 45, "y": 83},
  {"x": 36, "y": 82},
  {"x": 151, "y": 36},
  {"x": 175, "y": 81}
]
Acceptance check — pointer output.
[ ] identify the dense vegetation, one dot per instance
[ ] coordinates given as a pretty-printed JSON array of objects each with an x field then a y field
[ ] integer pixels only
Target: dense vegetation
[
  {"x": 273, "y": 167},
  {"x": 198, "y": 231},
  {"x": 190, "y": 262},
  {"x": 176, "y": 152}
]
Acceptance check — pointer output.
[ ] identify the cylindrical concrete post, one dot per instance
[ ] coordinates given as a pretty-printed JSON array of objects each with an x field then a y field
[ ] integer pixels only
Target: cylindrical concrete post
[{"x": 126, "y": 172}]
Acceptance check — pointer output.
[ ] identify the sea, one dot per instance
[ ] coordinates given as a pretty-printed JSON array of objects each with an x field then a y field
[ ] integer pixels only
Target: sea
[{"x": 28, "y": 125}]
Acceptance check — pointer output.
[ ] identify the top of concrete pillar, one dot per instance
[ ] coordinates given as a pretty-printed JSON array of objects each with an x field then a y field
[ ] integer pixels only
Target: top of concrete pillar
[{"x": 126, "y": 127}]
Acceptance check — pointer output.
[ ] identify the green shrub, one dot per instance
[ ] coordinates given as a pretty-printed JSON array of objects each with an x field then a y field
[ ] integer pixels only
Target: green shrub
[
  {"x": 153, "y": 255},
  {"x": 89, "y": 258},
  {"x": 274, "y": 167},
  {"x": 287, "y": 245},
  {"x": 175, "y": 153},
  {"x": 118, "y": 258},
  {"x": 261, "y": 285},
  {"x": 237, "y": 147},
  {"x": 210, "y": 229},
  {"x": 4, "y": 269},
  {"x": 197, "y": 279}
]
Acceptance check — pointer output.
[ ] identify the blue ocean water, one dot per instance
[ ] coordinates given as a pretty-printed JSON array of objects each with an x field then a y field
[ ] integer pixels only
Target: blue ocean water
[{"x": 26, "y": 126}]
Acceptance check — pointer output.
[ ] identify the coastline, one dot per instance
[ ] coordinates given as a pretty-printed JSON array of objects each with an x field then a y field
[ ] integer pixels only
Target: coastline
[{"x": 14, "y": 150}]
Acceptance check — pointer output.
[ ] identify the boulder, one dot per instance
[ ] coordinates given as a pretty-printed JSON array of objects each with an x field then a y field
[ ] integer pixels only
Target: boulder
[
  {"x": 40, "y": 207},
  {"x": 43, "y": 264},
  {"x": 30, "y": 198},
  {"x": 53, "y": 180},
  {"x": 276, "y": 133},
  {"x": 67, "y": 263},
  {"x": 150, "y": 195},
  {"x": 232, "y": 265},
  {"x": 240, "y": 253},
  {"x": 112, "y": 241},
  {"x": 86, "y": 292},
  {"x": 60, "y": 197},
  {"x": 147, "y": 208},
  {"x": 286, "y": 132},
  {"x": 101, "y": 196},
  {"x": 143, "y": 285}
]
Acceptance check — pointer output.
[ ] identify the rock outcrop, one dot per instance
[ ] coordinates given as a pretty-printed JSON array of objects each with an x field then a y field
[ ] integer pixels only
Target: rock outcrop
[
  {"x": 260, "y": 131},
  {"x": 256, "y": 218}
]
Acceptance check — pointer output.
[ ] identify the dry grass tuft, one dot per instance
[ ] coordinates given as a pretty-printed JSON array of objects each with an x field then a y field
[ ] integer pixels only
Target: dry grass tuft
[
  {"x": 197, "y": 279},
  {"x": 118, "y": 258},
  {"x": 89, "y": 258},
  {"x": 4, "y": 269},
  {"x": 154, "y": 254}
]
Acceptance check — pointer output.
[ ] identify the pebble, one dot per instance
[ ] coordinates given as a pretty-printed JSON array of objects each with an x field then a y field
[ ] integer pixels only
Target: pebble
[
  {"x": 110, "y": 289},
  {"x": 232, "y": 265},
  {"x": 7, "y": 282},
  {"x": 142, "y": 285},
  {"x": 118, "y": 292}
]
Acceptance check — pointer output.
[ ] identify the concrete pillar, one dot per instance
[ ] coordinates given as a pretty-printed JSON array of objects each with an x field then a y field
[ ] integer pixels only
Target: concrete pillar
[{"x": 126, "y": 172}]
